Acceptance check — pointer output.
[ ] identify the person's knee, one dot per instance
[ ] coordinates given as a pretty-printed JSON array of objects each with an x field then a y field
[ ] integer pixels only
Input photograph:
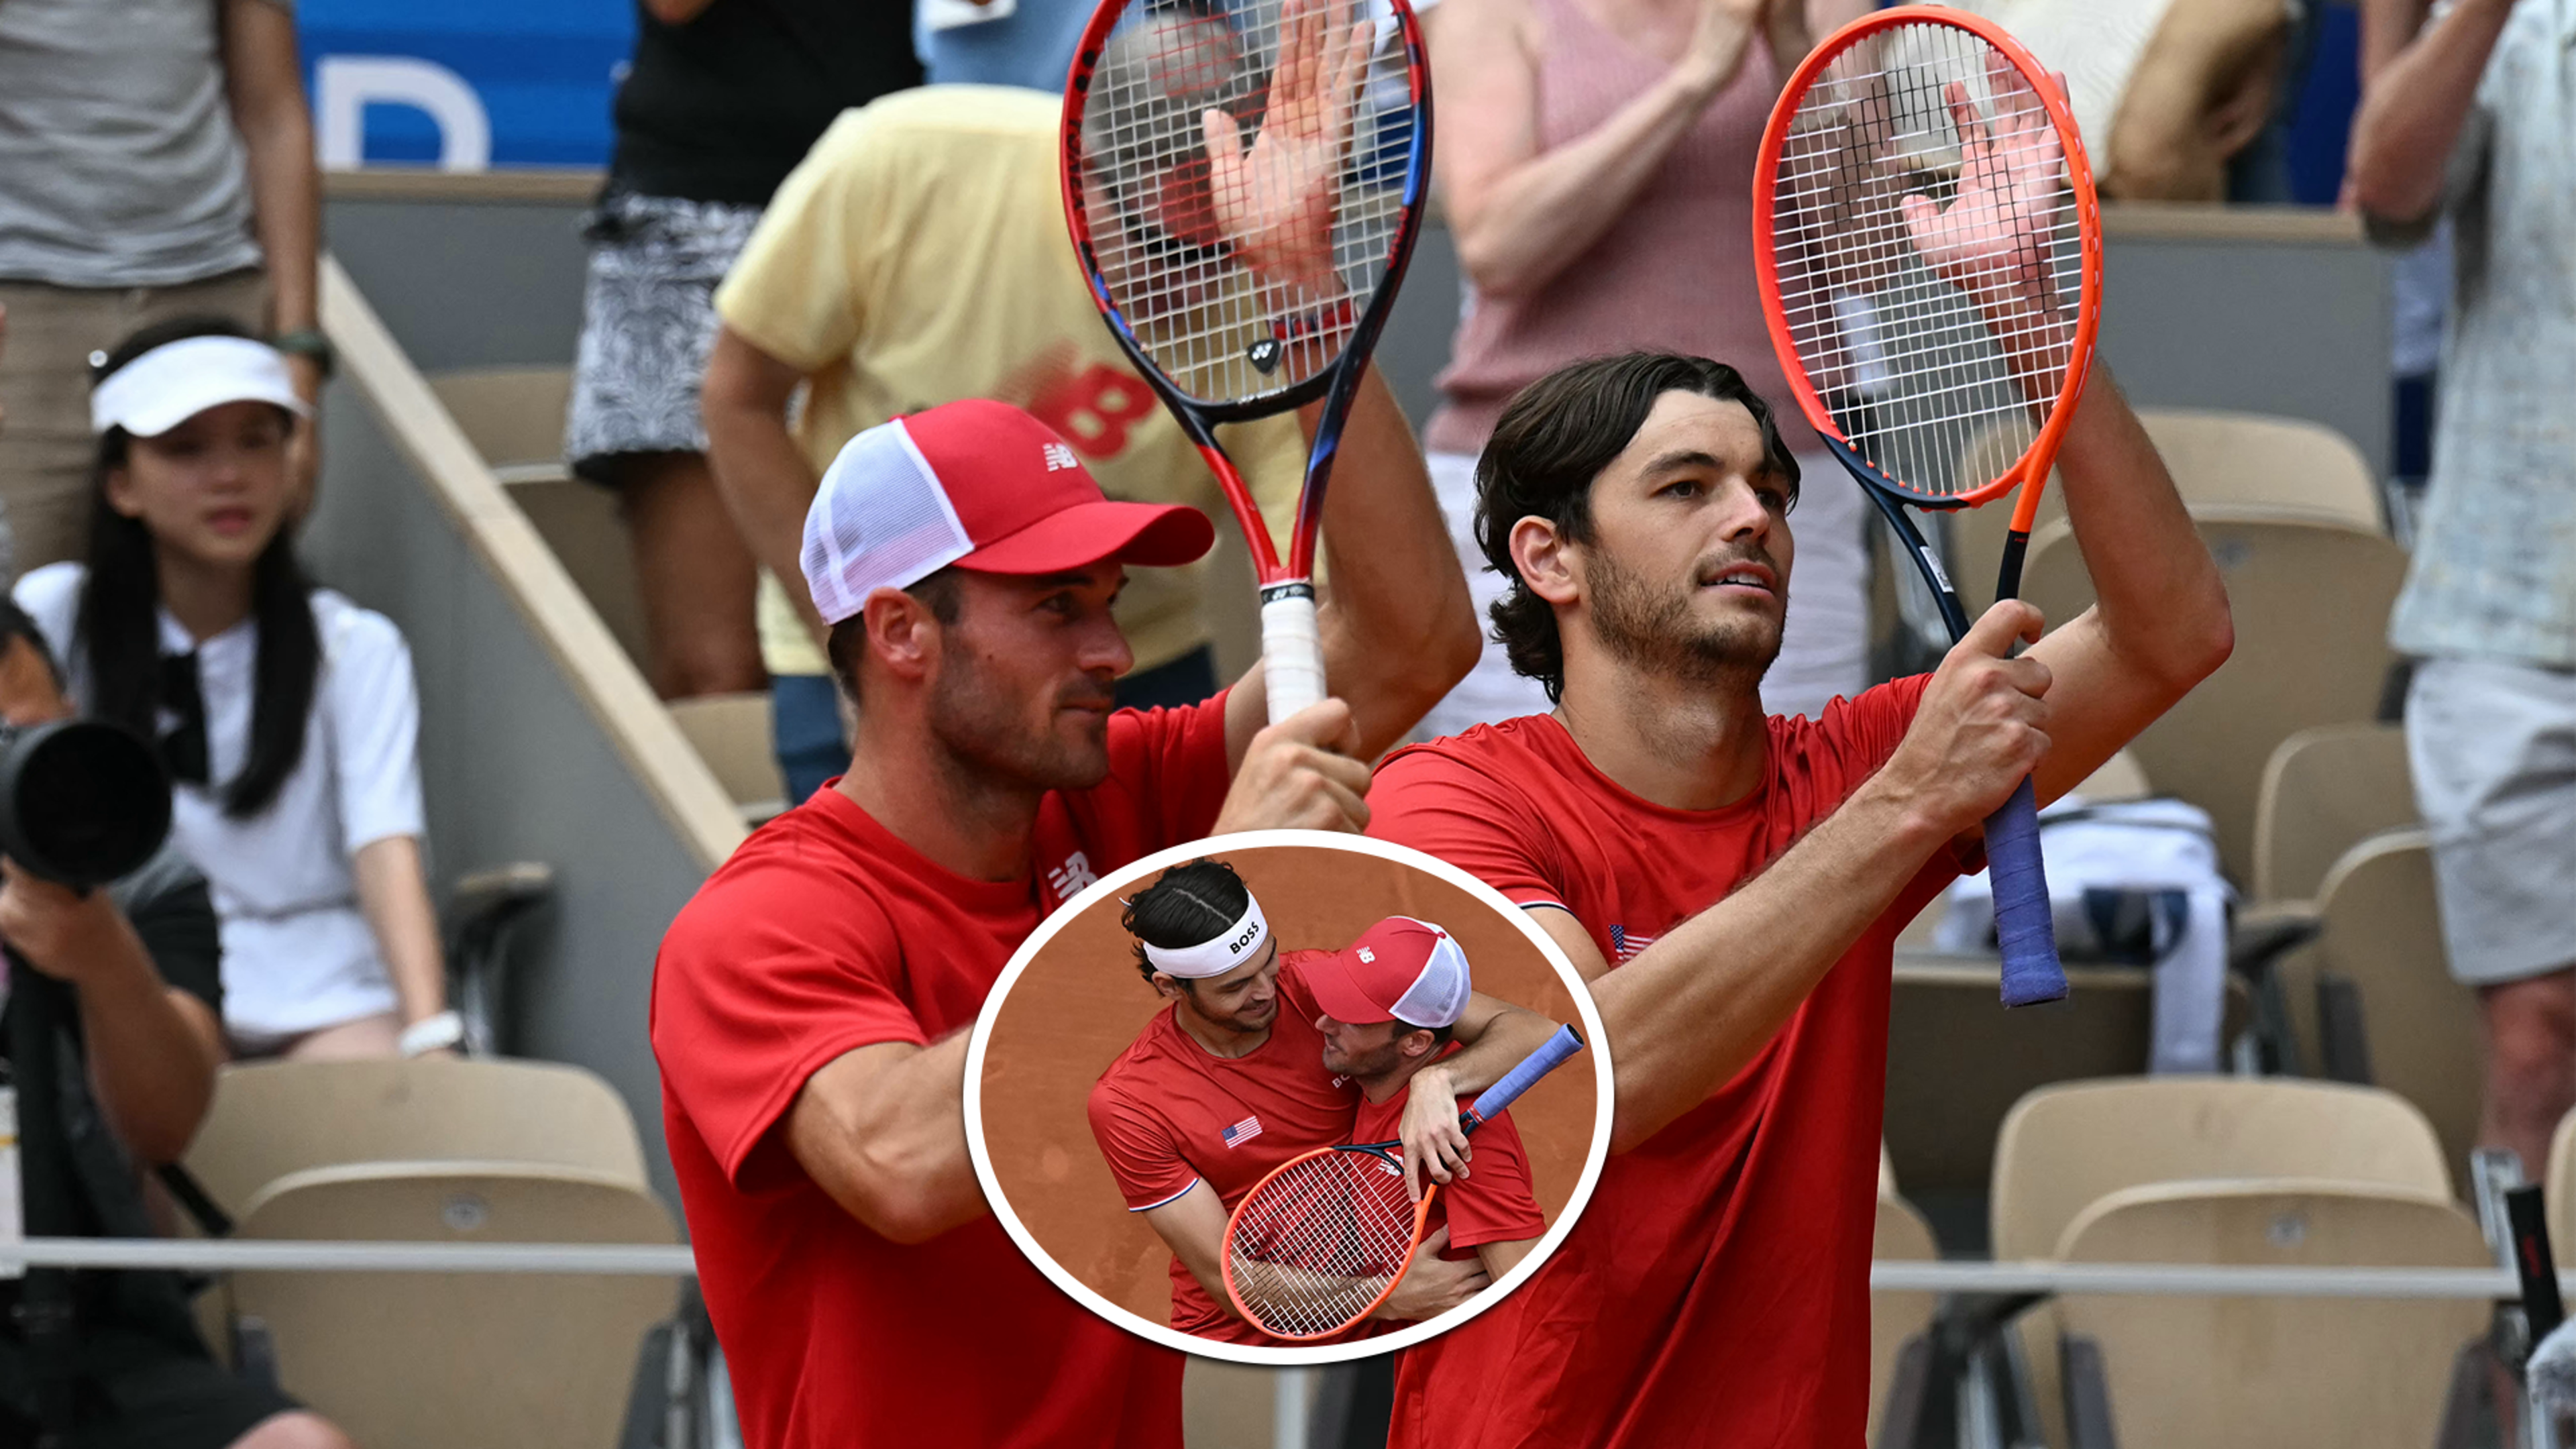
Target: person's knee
[
  {"x": 2531, "y": 1031},
  {"x": 298, "y": 1430}
]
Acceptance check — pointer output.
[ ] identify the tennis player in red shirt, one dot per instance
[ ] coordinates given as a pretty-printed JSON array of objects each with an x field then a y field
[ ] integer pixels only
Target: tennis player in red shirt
[
  {"x": 1235, "y": 1079},
  {"x": 1731, "y": 885},
  {"x": 811, "y": 1004}
]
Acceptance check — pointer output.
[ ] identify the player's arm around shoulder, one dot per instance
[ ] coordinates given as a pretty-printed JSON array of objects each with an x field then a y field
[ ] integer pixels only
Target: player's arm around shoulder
[
  {"x": 2160, "y": 622},
  {"x": 882, "y": 1128}
]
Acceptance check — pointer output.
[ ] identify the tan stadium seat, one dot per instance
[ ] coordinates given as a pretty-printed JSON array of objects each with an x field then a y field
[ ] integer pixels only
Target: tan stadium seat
[
  {"x": 1957, "y": 1062},
  {"x": 2324, "y": 790},
  {"x": 2559, "y": 1191},
  {"x": 2286, "y": 466},
  {"x": 1898, "y": 1322},
  {"x": 2254, "y": 1373},
  {"x": 2065, "y": 1147},
  {"x": 732, "y": 733},
  {"x": 270, "y": 1119},
  {"x": 514, "y": 417},
  {"x": 2419, "y": 1032},
  {"x": 2311, "y": 604},
  {"x": 429, "y": 1360}
]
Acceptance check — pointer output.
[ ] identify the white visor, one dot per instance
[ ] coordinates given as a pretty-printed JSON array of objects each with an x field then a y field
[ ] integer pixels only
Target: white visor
[
  {"x": 176, "y": 381},
  {"x": 1237, "y": 944}
]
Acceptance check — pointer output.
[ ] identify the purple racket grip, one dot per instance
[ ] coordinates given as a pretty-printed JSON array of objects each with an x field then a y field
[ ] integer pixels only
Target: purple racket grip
[
  {"x": 1556, "y": 1052},
  {"x": 2024, "y": 929}
]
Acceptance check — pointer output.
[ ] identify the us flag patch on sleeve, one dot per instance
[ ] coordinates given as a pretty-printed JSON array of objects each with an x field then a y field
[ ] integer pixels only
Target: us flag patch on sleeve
[
  {"x": 1242, "y": 1132},
  {"x": 1625, "y": 944}
]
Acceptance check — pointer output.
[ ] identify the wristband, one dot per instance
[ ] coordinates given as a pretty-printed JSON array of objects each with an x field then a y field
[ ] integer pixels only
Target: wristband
[
  {"x": 431, "y": 1033},
  {"x": 309, "y": 343}
]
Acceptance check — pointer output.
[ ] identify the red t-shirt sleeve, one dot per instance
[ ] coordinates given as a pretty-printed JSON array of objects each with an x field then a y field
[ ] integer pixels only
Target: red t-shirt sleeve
[
  {"x": 1171, "y": 764},
  {"x": 1139, "y": 1147},
  {"x": 1864, "y": 732},
  {"x": 1494, "y": 1203},
  {"x": 1443, "y": 806},
  {"x": 756, "y": 990}
]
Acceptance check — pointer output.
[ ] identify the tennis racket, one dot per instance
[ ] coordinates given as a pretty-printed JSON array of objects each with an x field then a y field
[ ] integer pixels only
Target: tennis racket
[
  {"x": 1243, "y": 181},
  {"x": 1318, "y": 1244},
  {"x": 1930, "y": 257}
]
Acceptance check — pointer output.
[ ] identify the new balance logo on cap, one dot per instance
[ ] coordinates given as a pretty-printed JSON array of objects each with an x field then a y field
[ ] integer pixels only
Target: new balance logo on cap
[{"x": 1060, "y": 457}]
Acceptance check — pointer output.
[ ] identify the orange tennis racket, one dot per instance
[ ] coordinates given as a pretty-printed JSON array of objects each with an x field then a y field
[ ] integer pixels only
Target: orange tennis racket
[
  {"x": 1322, "y": 1241},
  {"x": 1930, "y": 256}
]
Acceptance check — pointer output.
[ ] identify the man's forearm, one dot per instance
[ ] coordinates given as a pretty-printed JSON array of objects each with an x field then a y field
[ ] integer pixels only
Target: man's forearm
[
  {"x": 2157, "y": 591},
  {"x": 1500, "y": 1043},
  {"x": 2412, "y": 111},
  {"x": 1687, "y": 1013},
  {"x": 154, "y": 1068},
  {"x": 1398, "y": 627},
  {"x": 768, "y": 486}
]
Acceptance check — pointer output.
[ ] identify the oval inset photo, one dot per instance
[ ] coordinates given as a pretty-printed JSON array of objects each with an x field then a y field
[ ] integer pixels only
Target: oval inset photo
[{"x": 1190, "y": 1095}]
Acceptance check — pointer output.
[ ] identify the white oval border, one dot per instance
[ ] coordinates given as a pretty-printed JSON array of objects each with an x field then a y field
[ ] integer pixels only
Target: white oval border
[{"x": 1084, "y": 1294}]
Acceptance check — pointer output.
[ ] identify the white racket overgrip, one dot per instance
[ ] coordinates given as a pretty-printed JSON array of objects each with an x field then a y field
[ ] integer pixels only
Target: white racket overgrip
[{"x": 1292, "y": 648}]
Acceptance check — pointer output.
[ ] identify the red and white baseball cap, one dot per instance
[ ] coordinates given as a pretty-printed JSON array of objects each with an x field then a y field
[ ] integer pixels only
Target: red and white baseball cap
[
  {"x": 983, "y": 486},
  {"x": 1400, "y": 969}
]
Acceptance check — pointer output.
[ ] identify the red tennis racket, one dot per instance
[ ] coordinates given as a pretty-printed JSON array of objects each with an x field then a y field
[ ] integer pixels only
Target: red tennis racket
[
  {"x": 1318, "y": 1244},
  {"x": 1930, "y": 257},
  {"x": 1243, "y": 182}
]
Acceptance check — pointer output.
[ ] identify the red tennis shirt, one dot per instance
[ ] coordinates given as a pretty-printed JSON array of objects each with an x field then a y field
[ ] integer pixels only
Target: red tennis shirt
[
  {"x": 1715, "y": 1290},
  {"x": 1493, "y": 1202},
  {"x": 1174, "y": 1118},
  {"x": 825, "y": 933}
]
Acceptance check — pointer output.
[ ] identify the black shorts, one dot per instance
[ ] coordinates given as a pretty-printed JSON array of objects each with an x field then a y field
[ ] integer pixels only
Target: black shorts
[{"x": 137, "y": 1390}]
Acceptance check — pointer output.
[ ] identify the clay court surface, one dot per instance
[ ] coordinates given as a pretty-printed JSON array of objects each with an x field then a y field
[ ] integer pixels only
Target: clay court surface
[{"x": 1081, "y": 1002}]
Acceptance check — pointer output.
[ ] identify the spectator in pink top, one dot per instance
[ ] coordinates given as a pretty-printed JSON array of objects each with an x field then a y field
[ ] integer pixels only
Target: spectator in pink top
[{"x": 1596, "y": 166}]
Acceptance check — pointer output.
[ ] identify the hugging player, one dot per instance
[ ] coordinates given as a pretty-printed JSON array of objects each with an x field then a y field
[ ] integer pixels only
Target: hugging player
[
  {"x": 1253, "y": 1065},
  {"x": 1731, "y": 884}
]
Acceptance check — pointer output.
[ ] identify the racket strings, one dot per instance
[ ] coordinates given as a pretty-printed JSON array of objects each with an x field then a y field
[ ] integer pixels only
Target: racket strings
[
  {"x": 1883, "y": 309},
  {"x": 1317, "y": 1245},
  {"x": 1240, "y": 275}
]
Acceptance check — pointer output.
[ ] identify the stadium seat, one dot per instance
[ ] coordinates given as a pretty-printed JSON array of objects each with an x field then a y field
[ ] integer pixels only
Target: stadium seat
[
  {"x": 1956, "y": 1063},
  {"x": 2559, "y": 1191},
  {"x": 270, "y": 1119},
  {"x": 2286, "y": 466},
  {"x": 2389, "y": 1012},
  {"x": 2324, "y": 790},
  {"x": 1898, "y": 1354},
  {"x": 732, "y": 733},
  {"x": 514, "y": 416},
  {"x": 2066, "y": 1147},
  {"x": 2238, "y": 1373},
  {"x": 498, "y": 1361},
  {"x": 2311, "y": 605}
]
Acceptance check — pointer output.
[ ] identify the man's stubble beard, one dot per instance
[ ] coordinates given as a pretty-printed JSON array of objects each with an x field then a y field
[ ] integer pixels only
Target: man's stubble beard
[
  {"x": 1654, "y": 634},
  {"x": 989, "y": 745}
]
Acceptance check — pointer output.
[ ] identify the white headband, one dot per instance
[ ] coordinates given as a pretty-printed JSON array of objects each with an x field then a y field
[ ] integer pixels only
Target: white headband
[
  {"x": 178, "y": 380},
  {"x": 1233, "y": 946}
]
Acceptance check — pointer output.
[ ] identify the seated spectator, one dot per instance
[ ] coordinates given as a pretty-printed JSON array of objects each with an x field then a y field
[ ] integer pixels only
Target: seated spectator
[
  {"x": 286, "y": 714},
  {"x": 156, "y": 161},
  {"x": 140, "y": 959}
]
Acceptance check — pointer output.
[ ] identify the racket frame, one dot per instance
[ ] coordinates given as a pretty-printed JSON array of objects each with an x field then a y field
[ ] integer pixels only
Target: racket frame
[
  {"x": 1288, "y": 605},
  {"x": 2029, "y": 472},
  {"x": 2031, "y": 973},
  {"x": 1554, "y": 1053}
]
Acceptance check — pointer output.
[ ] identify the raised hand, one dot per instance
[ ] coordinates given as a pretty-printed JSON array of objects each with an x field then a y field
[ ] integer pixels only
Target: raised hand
[
  {"x": 1995, "y": 239},
  {"x": 1275, "y": 200}
]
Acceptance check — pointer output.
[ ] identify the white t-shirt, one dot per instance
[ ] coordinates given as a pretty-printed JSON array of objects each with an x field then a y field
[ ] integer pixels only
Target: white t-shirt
[{"x": 298, "y": 953}]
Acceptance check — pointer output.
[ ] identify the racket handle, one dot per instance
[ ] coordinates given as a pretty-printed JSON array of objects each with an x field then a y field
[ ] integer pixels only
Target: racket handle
[
  {"x": 2024, "y": 928},
  {"x": 1292, "y": 652},
  {"x": 1556, "y": 1052}
]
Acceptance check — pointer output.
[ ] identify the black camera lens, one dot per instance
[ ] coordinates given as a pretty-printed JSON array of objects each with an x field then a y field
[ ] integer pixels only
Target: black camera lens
[{"x": 81, "y": 803}]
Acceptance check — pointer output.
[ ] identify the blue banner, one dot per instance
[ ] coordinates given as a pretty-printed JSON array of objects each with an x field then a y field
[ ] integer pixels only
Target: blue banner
[{"x": 465, "y": 84}]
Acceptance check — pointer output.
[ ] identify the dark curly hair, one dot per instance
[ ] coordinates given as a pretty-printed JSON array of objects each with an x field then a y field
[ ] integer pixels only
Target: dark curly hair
[
  {"x": 1187, "y": 905},
  {"x": 1554, "y": 437}
]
